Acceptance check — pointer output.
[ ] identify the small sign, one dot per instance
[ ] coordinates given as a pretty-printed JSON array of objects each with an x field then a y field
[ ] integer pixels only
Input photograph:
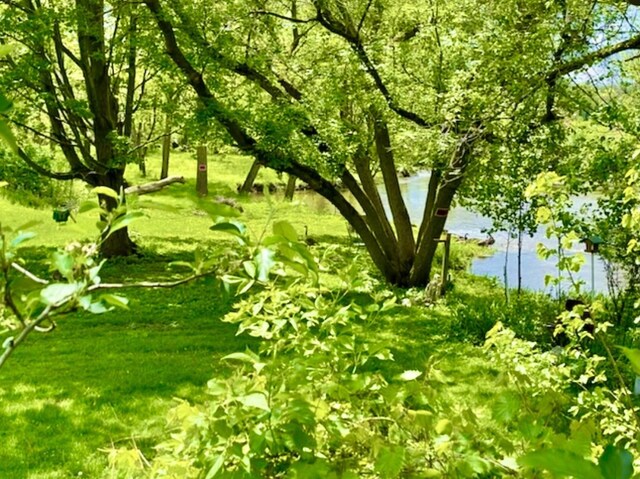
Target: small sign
[
  {"x": 202, "y": 167},
  {"x": 442, "y": 212}
]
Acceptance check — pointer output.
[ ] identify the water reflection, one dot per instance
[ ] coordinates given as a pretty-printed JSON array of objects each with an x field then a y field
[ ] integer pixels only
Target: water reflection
[{"x": 464, "y": 222}]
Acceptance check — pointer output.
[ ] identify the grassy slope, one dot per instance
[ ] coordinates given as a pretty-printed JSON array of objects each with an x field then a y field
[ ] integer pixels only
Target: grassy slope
[{"x": 103, "y": 380}]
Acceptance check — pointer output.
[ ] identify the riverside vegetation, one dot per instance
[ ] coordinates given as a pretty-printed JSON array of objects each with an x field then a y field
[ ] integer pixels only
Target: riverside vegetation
[{"x": 297, "y": 361}]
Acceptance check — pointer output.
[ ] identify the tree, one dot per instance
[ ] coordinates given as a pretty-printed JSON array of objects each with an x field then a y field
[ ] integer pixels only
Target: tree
[
  {"x": 367, "y": 75},
  {"x": 74, "y": 65}
]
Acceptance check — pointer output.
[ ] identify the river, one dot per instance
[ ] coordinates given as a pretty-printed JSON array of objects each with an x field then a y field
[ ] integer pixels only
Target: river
[{"x": 463, "y": 222}]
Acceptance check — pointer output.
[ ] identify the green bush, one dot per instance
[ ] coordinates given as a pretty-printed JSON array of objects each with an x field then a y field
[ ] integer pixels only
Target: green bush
[
  {"x": 25, "y": 186},
  {"x": 530, "y": 315}
]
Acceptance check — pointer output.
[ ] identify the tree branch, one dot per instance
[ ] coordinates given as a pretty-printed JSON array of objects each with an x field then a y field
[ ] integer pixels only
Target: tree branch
[
  {"x": 284, "y": 17},
  {"x": 632, "y": 43},
  {"x": 13, "y": 344},
  {"x": 70, "y": 175},
  {"x": 364, "y": 16},
  {"x": 328, "y": 21}
]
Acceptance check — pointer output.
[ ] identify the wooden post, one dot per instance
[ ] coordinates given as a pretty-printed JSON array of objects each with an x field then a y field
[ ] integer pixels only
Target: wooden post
[
  {"x": 202, "y": 187},
  {"x": 291, "y": 188},
  {"x": 445, "y": 264},
  {"x": 166, "y": 148}
]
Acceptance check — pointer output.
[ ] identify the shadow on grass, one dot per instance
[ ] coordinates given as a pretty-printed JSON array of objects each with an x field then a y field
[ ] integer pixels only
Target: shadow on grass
[{"x": 101, "y": 379}]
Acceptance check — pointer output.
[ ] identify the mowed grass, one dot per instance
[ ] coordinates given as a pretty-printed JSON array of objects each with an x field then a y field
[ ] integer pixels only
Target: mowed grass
[{"x": 106, "y": 381}]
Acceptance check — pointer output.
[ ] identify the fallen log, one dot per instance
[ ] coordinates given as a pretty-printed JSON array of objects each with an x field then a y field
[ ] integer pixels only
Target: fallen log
[{"x": 153, "y": 186}]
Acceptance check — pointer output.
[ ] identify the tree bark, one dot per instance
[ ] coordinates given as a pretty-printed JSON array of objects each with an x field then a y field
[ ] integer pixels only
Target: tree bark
[
  {"x": 247, "y": 186},
  {"x": 104, "y": 108},
  {"x": 447, "y": 189},
  {"x": 291, "y": 188},
  {"x": 119, "y": 243},
  {"x": 153, "y": 186},
  {"x": 166, "y": 148},
  {"x": 140, "y": 151},
  {"x": 131, "y": 76},
  {"x": 402, "y": 222}
]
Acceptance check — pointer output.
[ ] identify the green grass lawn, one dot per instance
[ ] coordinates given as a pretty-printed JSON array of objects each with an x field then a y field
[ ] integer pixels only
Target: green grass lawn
[{"x": 108, "y": 380}]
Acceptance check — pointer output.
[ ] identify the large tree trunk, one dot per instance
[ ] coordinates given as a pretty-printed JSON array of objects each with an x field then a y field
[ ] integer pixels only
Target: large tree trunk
[
  {"x": 104, "y": 107},
  {"x": 118, "y": 243}
]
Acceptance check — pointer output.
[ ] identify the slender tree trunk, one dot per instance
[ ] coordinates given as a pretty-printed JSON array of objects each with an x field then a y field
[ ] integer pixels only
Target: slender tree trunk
[
  {"x": 131, "y": 77},
  {"x": 506, "y": 268},
  {"x": 447, "y": 188},
  {"x": 166, "y": 148},
  {"x": 247, "y": 186},
  {"x": 402, "y": 222},
  {"x": 519, "y": 261},
  {"x": 291, "y": 188},
  {"x": 141, "y": 151},
  {"x": 434, "y": 181}
]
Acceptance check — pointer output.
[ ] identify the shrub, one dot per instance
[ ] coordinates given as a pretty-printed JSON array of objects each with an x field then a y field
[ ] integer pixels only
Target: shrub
[{"x": 25, "y": 186}]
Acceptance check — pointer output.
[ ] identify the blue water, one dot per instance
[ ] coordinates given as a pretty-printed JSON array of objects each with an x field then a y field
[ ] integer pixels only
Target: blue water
[{"x": 534, "y": 269}]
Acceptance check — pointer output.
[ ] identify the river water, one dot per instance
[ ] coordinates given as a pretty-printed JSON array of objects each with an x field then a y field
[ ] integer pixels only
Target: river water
[{"x": 463, "y": 222}]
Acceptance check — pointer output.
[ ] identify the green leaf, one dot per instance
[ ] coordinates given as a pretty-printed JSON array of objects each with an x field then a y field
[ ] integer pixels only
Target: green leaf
[
  {"x": 265, "y": 262},
  {"x": 410, "y": 375},
  {"x": 182, "y": 264},
  {"x": 256, "y": 400},
  {"x": 104, "y": 191},
  {"x": 124, "y": 221},
  {"x": 87, "y": 206},
  {"x": 248, "y": 357},
  {"x": 7, "y": 135},
  {"x": 59, "y": 292},
  {"x": 217, "y": 466},
  {"x": 390, "y": 461},
  {"x": 115, "y": 300},
  {"x": 94, "y": 307},
  {"x": 561, "y": 464},
  {"x": 633, "y": 355},
  {"x": 63, "y": 262},
  {"x": 230, "y": 227},
  {"x": 616, "y": 463},
  {"x": 5, "y": 104},
  {"x": 6, "y": 50},
  {"x": 3, "y": 184},
  {"x": 28, "y": 225},
  {"x": 284, "y": 228},
  {"x": 250, "y": 269},
  {"x": 21, "y": 238},
  {"x": 506, "y": 407}
]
